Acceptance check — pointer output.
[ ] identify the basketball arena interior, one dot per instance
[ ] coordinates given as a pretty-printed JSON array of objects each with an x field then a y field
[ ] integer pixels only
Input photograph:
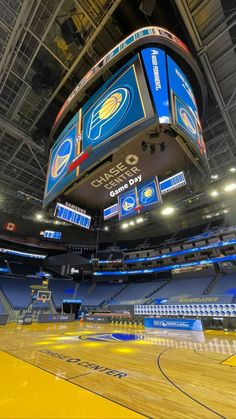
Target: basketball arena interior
[{"x": 117, "y": 209}]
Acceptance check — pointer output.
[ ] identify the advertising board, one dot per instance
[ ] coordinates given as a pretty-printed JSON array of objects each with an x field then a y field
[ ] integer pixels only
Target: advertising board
[{"x": 179, "y": 324}]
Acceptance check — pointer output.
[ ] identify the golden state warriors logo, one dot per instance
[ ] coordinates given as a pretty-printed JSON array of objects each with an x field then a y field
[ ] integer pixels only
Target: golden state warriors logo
[
  {"x": 61, "y": 157},
  {"x": 188, "y": 121},
  {"x": 128, "y": 204},
  {"x": 108, "y": 113},
  {"x": 111, "y": 337}
]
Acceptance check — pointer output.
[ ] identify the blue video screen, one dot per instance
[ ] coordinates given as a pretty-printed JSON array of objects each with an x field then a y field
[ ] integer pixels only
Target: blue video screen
[
  {"x": 184, "y": 106},
  {"x": 62, "y": 154},
  {"x": 52, "y": 234},
  {"x": 110, "y": 212},
  {"x": 139, "y": 198},
  {"x": 72, "y": 216},
  {"x": 148, "y": 193},
  {"x": 121, "y": 106},
  {"x": 154, "y": 61},
  {"x": 172, "y": 183}
]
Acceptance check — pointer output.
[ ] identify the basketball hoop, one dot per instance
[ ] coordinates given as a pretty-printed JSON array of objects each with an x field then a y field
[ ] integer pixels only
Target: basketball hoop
[
  {"x": 43, "y": 299},
  {"x": 43, "y": 296}
]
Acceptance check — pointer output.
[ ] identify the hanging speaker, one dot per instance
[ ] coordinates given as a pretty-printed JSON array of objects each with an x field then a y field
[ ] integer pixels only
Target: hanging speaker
[{"x": 147, "y": 7}]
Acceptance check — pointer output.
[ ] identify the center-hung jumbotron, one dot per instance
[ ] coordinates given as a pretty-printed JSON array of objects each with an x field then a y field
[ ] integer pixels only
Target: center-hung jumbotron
[{"x": 142, "y": 124}]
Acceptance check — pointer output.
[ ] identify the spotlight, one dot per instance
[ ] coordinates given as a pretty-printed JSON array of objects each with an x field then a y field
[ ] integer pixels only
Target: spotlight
[
  {"x": 168, "y": 211},
  {"x": 131, "y": 223},
  {"x": 39, "y": 216},
  {"x": 125, "y": 225},
  {"x": 139, "y": 220},
  {"x": 144, "y": 146},
  {"x": 152, "y": 148},
  {"x": 162, "y": 147},
  {"x": 214, "y": 176},
  {"x": 106, "y": 228},
  {"x": 232, "y": 169},
  {"x": 229, "y": 188},
  {"x": 214, "y": 193}
]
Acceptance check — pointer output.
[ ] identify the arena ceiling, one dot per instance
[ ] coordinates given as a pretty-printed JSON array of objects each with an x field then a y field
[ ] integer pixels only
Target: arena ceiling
[{"x": 32, "y": 46}]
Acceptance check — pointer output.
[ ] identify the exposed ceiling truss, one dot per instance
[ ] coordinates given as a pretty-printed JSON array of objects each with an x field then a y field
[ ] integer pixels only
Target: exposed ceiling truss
[
  {"x": 30, "y": 36},
  {"x": 211, "y": 28}
]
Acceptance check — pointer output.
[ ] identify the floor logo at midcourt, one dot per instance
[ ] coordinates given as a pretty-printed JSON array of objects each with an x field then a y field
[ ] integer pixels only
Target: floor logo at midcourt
[{"x": 111, "y": 337}]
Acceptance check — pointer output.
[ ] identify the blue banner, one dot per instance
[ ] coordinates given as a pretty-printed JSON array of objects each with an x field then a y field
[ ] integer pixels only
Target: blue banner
[
  {"x": 127, "y": 204},
  {"x": 179, "y": 324},
  {"x": 148, "y": 193},
  {"x": 136, "y": 199},
  {"x": 154, "y": 60}
]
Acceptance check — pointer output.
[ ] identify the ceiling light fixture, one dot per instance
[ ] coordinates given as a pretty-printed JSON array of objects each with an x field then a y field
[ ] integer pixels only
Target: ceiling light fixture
[
  {"x": 168, "y": 211},
  {"x": 230, "y": 187}
]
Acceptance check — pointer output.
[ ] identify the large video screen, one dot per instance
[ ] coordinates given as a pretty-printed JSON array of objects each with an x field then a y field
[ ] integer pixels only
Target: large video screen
[
  {"x": 105, "y": 134},
  {"x": 173, "y": 95},
  {"x": 184, "y": 106},
  {"x": 62, "y": 154},
  {"x": 154, "y": 60},
  {"x": 118, "y": 110}
]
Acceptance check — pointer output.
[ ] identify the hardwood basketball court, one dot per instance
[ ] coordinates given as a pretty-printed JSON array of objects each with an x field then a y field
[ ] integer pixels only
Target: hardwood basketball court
[{"x": 110, "y": 371}]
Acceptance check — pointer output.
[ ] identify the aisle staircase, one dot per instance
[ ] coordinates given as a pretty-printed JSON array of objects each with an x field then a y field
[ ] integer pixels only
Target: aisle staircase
[
  {"x": 212, "y": 283},
  {"x": 7, "y": 307}
]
